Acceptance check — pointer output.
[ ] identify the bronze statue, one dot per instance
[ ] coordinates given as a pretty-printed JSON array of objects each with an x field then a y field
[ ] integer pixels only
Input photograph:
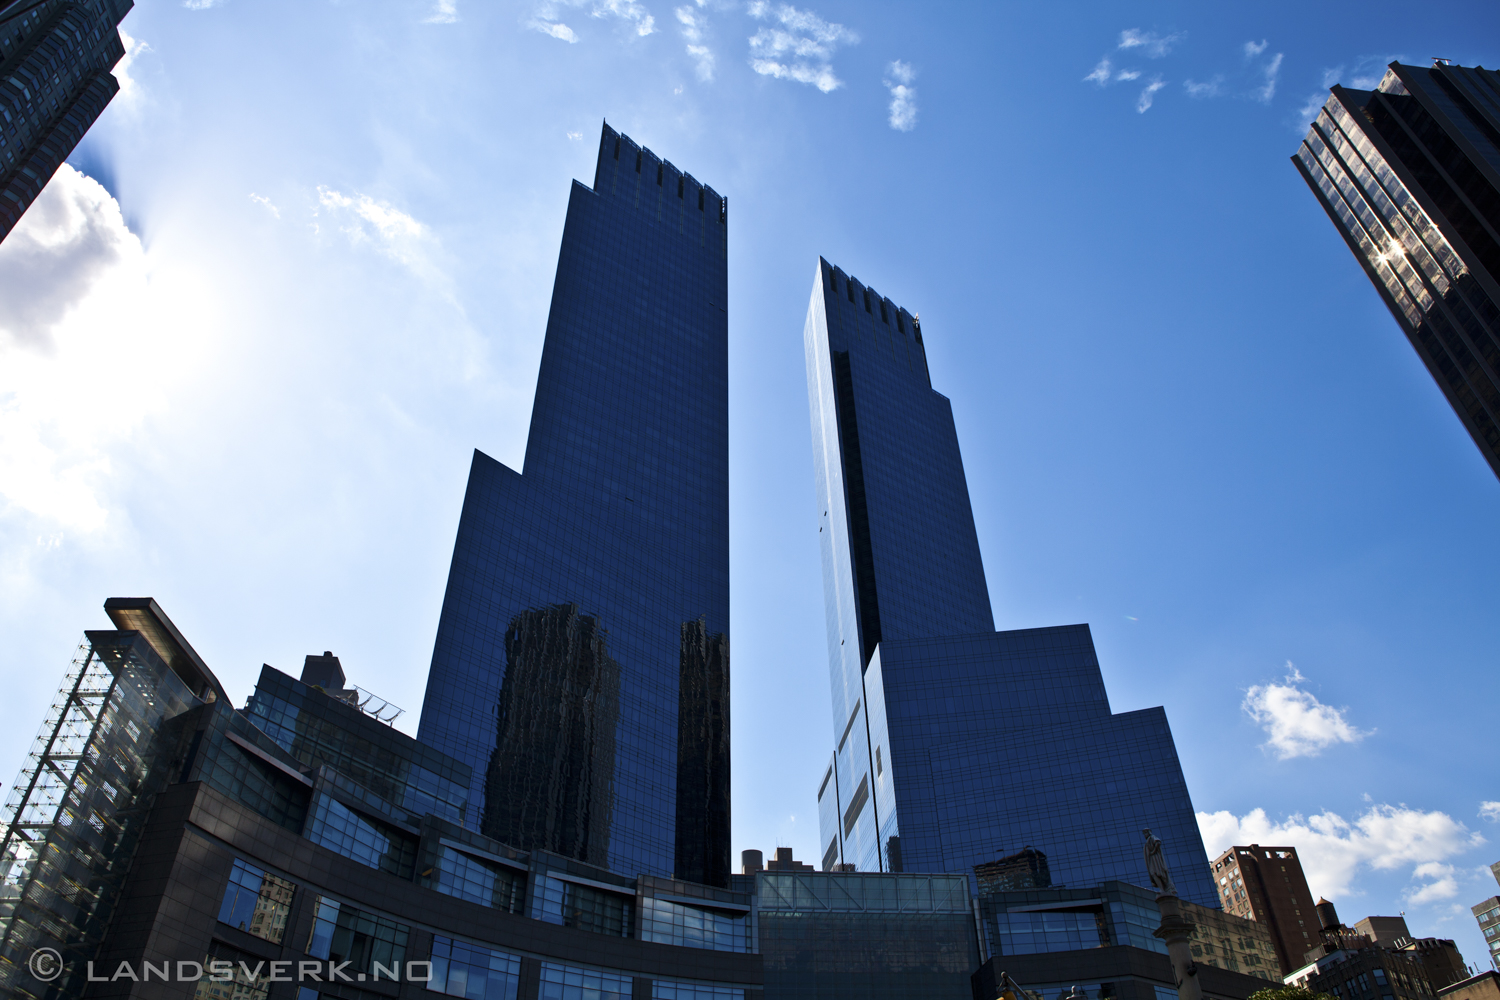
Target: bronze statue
[{"x": 1156, "y": 865}]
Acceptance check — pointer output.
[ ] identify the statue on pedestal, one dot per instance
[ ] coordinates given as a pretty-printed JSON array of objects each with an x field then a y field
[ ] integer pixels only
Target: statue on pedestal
[{"x": 1156, "y": 865}]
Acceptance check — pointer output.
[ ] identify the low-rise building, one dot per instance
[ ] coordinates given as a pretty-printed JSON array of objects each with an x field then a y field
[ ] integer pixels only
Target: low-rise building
[
  {"x": 1485, "y": 986},
  {"x": 1369, "y": 973},
  {"x": 157, "y": 829}
]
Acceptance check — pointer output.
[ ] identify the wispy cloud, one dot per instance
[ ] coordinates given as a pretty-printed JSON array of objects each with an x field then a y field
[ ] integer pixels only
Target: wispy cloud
[
  {"x": 1148, "y": 95},
  {"x": 1104, "y": 74},
  {"x": 1208, "y": 88},
  {"x": 1297, "y": 724},
  {"x": 630, "y": 11},
  {"x": 1490, "y": 811},
  {"x": 390, "y": 232},
  {"x": 1334, "y": 850},
  {"x": 554, "y": 28},
  {"x": 694, "y": 31},
  {"x": 796, "y": 45},
  {"x": 443, "y": 12},
  {"x": 903, "y": 117},
  {"x": 1253, "y": 49},
  {"x": 546, "y": 17},
  {"x": 1310, "y": 108},
  {"x": 1100, "y": 73},
  {"x": 261, "y": 199},
  {"x": 1152, "y": 45},
  {"x": 202, "y": 4},
  {"x": 575, "y": 136},
  {"x": 1267, "y": 90}
]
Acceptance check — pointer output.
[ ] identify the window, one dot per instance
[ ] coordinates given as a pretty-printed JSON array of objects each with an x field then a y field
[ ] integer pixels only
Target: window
[
  {"x": 564, "y": 982},
  {"x": 572, "y": 905},
  {"x": 668, "y": 989},
  {"x": 478, "y": 881},
  {"x": 879, "y": 768},
  {"x": 367, "y": 941},
  {"x": 461, "y": 969},
  {"x": 668, "y": 922},
  {"x": 257, "y": 903},
  {"x": 231, "y": 974},
  {"x": 1379, "y": 975},
  {"x": 368, "y": 841}
]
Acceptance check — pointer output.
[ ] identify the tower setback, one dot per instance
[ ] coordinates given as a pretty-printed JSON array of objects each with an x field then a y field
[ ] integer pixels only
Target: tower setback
[{"x": 582, "y": 657}]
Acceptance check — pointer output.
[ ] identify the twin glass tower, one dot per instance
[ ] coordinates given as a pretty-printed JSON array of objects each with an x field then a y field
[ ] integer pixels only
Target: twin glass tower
[
  {"x": 954, "y": 743},
  {"x": 582, "y": 658}
]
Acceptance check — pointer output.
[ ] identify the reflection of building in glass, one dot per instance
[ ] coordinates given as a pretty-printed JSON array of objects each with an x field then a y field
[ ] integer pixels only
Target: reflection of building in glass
[
  {"x": 623, "y": 513},
  {"x": 1057, "y": 920},
  {"x": 953, "y": 742},
  {"x": 1410, "y": 175},
  {"x": 55, "y": 80},
  {"x": 253, "y": 844},
  {"x": 1026, "y": 869},
  {"x": 551, "y": 774},
  {"x": 703, "y": 753}
]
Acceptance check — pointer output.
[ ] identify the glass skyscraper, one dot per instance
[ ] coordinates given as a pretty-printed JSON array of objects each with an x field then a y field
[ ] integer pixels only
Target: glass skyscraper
[
  {"x": 55, "y": 80},
  {"x": 582, "y": 659},
  {"x": 955, "y": 744},
  {"x": 1410, "y": 175}
]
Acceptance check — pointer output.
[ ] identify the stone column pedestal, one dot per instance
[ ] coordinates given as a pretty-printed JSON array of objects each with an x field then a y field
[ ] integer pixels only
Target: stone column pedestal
[{"x": 1177, "y": 931}]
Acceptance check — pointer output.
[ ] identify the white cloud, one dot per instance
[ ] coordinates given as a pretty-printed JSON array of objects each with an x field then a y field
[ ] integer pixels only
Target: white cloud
[
  {"x": 261, "y": 199},
  {"x": 1143, "y": 103},
  {"x": 1128, "y": 74},
  {"x": 798, "y": 45},
  {"x": 547, "y": 19},
  {"x": 90, "y": 341},
  {"x": 1253, "y": 49},
  {"x": 131, "y": 93},
  {"x": 1210, "y": 88},
  {"x": 443, "y": 12},
  {"x": 575, "y": 136},
  {"x": 202, "y": 4},
  {"x": 639, "y": 18},
  {"x": 392, "y": 233},
  {"x": 1442, "y": 883},
  {"x": 1334, "y": 850},
  {"x": 1310, "y": 108},
  {"x": 1490, "y": 811},
  {"x": 903, "y": 117},
  {"x": 1268, "y": 90},
  {"x": 1152, "y": 45},
  {"x": 1297, "y": 723},
  {"x": 694, "y": 28},
  {"x": 554, "y": 28},
  {"x": 1100, "y": 73}
]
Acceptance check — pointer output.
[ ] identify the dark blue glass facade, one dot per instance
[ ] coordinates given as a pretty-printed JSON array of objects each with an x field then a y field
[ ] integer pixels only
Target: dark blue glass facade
[
  {"x": 955, "y": 743},
  {"x": 582, "y": 659}
]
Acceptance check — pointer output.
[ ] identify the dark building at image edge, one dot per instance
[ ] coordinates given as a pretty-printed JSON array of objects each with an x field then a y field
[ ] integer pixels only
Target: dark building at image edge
[
  {"x": 55, "y": 81},
  {"x": 1410, "y": 175}
]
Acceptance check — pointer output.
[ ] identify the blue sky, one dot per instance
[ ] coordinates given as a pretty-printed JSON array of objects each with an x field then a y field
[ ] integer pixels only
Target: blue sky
[{"x": 303, "y": 265}]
